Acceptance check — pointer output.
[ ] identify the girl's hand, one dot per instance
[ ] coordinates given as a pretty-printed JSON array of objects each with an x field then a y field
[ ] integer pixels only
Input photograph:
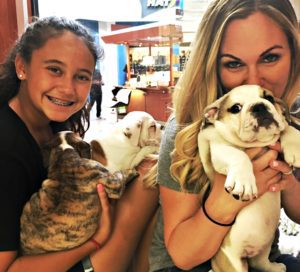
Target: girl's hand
[
  {"x": 266, "y": 176},
  {"x": 105, "y": 223},
  {"x": 145, "y": 166}
]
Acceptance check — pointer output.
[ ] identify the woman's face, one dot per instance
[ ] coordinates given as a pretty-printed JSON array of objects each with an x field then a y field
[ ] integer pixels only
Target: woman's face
[
  {"x": 58, "y": 78},
  {"x": 255, "y": 51}
]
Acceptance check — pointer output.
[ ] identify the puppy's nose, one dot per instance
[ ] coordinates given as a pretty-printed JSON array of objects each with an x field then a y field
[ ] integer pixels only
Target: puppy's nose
[
  {"x": 162, "y": 127},
  {"x": 259, "y": 108}
]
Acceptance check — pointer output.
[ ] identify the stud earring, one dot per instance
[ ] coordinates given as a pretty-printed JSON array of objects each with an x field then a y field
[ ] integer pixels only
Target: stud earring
[{"x": 20, "y": 76}]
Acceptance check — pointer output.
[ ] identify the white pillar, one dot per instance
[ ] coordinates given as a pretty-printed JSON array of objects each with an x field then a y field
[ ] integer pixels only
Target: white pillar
[{"x": 22, "y": 15}]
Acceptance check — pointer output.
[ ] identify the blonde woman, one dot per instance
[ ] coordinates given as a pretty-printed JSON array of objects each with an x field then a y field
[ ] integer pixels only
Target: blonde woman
[{"x": 238, "y": 42}]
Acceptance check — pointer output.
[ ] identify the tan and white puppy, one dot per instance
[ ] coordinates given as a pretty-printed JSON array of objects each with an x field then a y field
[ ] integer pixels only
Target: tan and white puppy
[
  {"x": 132, "y": 139},
  {"x": 247, "y": 116}
]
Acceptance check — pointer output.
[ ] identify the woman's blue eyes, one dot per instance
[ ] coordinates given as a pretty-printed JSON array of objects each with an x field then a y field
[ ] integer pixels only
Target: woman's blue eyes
[
  {"x": 232, "y": 64},
  {"x": 269, "y": 58}
]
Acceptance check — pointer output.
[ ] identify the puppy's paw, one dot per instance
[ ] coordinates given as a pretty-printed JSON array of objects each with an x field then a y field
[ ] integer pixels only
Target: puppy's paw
[
  {"x": 292, "y": 155},
  {"x": 241, "y": 184},
  {"x": 114, "y": 184},
  {"x": 276, "y": 267},
  {"x": 290, "y": 146}
]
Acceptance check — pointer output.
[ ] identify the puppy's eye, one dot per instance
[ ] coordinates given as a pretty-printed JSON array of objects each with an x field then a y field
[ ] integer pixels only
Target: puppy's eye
[
  {"x": 270, "y": 98},
  {"x": 236, "y": 108}
]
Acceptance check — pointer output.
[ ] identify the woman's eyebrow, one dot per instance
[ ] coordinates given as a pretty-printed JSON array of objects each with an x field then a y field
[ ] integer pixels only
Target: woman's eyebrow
[
  {"x": 270, "y": 49},
  {"x": 262, "y": 54},
  {"x": 230, "y": 56}
]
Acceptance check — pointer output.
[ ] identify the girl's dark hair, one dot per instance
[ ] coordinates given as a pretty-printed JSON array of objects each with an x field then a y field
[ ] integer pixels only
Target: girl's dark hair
[{"x": 34, "y": 37}]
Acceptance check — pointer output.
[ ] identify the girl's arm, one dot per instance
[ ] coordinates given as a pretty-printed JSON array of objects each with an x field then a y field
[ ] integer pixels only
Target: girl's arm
[{"x": 64, "y": 260}]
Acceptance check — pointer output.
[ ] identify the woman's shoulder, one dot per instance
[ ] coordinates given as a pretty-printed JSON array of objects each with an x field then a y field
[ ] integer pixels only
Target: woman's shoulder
[
  {"x": 171, "y": 128},
  {"x": 164, "y": 161}
]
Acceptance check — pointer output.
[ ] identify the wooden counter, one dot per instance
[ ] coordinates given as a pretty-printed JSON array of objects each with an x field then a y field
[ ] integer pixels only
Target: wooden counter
[{"x": 154, "y": 100}]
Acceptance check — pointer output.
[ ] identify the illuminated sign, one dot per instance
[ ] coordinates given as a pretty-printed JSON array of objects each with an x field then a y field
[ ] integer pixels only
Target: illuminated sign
[{"x": 158, "y": 3}]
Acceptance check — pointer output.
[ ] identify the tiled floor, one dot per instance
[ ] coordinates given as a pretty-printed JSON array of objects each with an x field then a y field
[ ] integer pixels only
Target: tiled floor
[{"x": 108, "y": 118}]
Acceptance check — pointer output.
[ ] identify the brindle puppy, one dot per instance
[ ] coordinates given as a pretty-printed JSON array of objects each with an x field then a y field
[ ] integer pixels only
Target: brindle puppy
[{"x": 65, "y": 212}]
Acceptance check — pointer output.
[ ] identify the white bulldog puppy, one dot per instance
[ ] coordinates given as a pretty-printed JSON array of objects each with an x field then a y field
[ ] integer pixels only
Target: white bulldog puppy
[
  {"x": 247, "y": 116},
  {"x": 133, "y": 138}
]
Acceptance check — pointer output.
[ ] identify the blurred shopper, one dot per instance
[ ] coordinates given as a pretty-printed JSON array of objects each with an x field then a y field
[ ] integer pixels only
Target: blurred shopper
[{"x": 96, "y": 93}]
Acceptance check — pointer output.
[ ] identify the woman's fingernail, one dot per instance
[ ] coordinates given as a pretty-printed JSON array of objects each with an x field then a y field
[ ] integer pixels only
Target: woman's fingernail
[
  {"x": 275, "y": 163},
  {"x": 273, "y": 189},
  {"x": 100, "y": 187}
]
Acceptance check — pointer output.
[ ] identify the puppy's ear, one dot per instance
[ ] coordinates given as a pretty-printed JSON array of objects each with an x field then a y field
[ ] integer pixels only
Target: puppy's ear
[
  {"x": 133, "y": 131},
  {"x": 212, "y": 111},
  {"x": 82, "y": 148},
  {"x": 98, "y": 153},
  {"x": 210, "y": 115},
  {"x": 284, "y": 109}
]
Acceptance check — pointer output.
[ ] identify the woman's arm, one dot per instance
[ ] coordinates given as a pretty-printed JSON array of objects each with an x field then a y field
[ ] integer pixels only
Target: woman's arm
[
  {"x": 60, "y": 261},
  {"x": 190, "y": 237}
]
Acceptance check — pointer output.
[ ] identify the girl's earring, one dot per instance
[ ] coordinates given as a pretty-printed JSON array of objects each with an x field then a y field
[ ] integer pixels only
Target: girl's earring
[{"x": 20, "y": 76}]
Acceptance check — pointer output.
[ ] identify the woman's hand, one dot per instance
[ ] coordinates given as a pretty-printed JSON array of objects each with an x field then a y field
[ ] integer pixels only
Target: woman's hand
[
  {"x": 105, "y": 223},
  {"x": 266, "y": 176},
  {"x": 288, "y": 180}
]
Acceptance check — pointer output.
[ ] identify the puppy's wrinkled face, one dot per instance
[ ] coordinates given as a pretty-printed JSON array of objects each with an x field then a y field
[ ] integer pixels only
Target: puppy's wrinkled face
[
  {"x": 250, "y": 112},
  {"x": 141, "y": 129}
]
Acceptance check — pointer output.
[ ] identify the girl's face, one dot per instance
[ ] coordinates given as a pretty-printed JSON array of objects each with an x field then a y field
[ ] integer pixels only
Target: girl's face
[
  {"x": 58, "y": 78},
  {"x": 255, "y": 51}
]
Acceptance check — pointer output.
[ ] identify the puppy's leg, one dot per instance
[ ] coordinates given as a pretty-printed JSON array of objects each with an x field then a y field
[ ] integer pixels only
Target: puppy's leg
[
  {"x": 147, "y": 150},
  {"x": 290, "y": 146},
  {"x": 262, "y": 262},
  {"x": 234, "y": 163},
  {"x": 227, "y": 260}
]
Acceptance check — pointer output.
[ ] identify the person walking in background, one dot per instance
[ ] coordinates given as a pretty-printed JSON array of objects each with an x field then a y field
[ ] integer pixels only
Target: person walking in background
[
  {"x": 96, "y": 93},
  {"x": 182, "y": 60}
]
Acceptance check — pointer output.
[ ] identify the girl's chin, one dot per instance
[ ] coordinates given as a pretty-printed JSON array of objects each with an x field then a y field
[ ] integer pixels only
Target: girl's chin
[{"x": 59, "y": 117}]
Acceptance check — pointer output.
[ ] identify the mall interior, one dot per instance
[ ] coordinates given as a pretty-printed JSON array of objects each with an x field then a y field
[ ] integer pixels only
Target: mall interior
[{"x": 145, "y": 50}]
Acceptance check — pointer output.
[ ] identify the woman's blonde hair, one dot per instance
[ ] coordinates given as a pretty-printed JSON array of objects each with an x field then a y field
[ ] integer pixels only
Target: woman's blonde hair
[{"x": 200, "y": 85}]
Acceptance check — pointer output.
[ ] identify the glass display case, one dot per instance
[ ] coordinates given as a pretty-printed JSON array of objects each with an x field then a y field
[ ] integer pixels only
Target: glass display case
[{"x": 152, "y": 65}]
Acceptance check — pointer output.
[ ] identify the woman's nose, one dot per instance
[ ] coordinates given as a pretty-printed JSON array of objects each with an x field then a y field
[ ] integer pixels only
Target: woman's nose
[{"x": 253, "y": 77}]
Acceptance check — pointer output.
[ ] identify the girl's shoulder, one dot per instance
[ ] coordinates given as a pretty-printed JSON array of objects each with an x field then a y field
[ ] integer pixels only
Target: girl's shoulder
[{"x": 14, "y": 134}]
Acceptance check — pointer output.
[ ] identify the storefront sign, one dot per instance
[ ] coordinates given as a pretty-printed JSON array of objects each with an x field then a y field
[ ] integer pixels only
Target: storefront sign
[{"x": 158, "y": 3}]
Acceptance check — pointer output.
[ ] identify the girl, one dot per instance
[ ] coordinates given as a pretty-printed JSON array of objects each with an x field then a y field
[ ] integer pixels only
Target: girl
[{"x": 44, "y": 84}]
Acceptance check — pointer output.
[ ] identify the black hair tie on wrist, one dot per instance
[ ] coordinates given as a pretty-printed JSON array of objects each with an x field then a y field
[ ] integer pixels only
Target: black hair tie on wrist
[{"x": 208, "y": 217}]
